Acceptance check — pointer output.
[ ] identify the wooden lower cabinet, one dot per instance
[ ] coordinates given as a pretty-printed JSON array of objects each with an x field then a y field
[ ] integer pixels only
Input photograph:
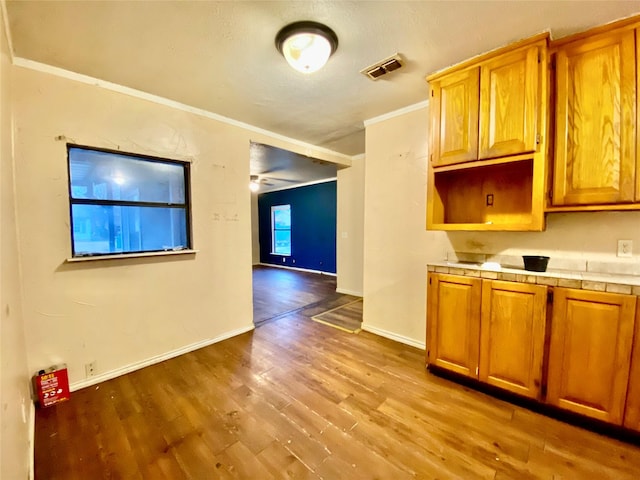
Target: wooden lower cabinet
[
  {"x": 632, "y": 410},
  {"x": 496, "y": 332},
  {"x": 453, "y": 322},
  {"x": 489, "y": 330},
  {"x": 512, "y": 335},
  {"x": 590, "y": 352}
]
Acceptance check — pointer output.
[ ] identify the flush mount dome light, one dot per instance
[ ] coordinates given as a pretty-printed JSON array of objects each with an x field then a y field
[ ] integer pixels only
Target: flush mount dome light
[{"x": 306, "y": 45}]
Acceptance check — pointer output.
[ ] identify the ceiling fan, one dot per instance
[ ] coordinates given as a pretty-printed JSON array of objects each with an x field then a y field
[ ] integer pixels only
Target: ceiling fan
[{"x": 256, "y": 180}]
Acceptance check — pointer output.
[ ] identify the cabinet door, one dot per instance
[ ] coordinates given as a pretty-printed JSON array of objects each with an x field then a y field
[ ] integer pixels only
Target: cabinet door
[
  {"x": 454, "y": 323},
  {"x": 509, "y": 104},
  {"x": 637, "y": 105},
  {"x": 632, "y": 409},
  {"x": 590, "y": 352},
  {"x": 512, "y": 333},
  {"x": 454, "y": 118},
  {"x": 595, "y": 121}
]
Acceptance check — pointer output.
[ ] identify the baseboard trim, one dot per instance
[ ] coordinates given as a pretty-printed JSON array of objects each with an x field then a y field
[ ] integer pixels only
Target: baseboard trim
[
  {"x": 394, "y": 336},
  {"x": 32, "y": 440},
  {"x": 297, "y": 268},
  {"x": 156, "y": 359},
  {"x": 346, "y": 291}
]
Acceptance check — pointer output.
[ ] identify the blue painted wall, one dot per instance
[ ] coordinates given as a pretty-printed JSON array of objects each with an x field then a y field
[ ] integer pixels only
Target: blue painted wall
[{"x": 313, "y": 226}]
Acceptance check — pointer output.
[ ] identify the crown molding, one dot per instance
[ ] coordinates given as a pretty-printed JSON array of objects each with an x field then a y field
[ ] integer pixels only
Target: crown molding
[
  {"x": 397, "y": 113},
  {"x": 132, "y": 92}
]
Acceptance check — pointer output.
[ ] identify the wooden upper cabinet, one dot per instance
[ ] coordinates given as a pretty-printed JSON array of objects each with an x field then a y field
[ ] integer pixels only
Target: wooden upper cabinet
[
  {"x": 509, "y": 104},
  {"x": 512, "y": 336},
  {"x": 595, "y": 152},
  {"x": 454, "y": 128},
  {"x": 488, "y": 165},
  {"x": 590, "y": 352},
  {"x": 637, "y": 119},
  {"x": 489, "y": 108},
  {"x": 453, "y": 323}
]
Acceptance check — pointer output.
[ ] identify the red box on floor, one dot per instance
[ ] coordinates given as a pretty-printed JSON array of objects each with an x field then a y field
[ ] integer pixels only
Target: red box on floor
[{"x": 52, "y": 385}]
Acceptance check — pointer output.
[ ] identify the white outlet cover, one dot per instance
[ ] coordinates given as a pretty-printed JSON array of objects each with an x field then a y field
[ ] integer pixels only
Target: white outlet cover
[{"x": 625, "y": 248}]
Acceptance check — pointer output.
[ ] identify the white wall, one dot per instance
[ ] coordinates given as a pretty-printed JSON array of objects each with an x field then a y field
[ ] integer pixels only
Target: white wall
[
  {"x": 14, "y": 375},
  {"x": 397, "y": 246},
  {"x": 580, "y": 235},
  {"x": 350, "y": 227},
  {"x": 255, "y": 230},
  {"x": 122, "y": 313}
]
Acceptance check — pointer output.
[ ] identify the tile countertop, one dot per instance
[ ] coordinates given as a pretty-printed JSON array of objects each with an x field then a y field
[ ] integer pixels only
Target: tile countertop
[{"x": 603, "y": 282}]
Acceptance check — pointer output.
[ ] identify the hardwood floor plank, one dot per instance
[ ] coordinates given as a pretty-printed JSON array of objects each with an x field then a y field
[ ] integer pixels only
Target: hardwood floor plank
[
  {"x": 365, "y": 462},
  {"x": 444, "y": 445},
  {"x": 357, "y": 461},
  {"x": 196, "y": 460},
  {"x": 282, "y": 463},
  {"x": 240, "y": 462},
  {"x": 297, "y": 440},
  {"x": 167, "y": 467}
]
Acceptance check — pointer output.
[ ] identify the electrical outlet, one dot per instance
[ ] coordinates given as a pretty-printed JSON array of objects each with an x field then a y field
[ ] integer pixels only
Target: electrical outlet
[
  {"x": 90, "y": 369},
  {"x": 625, "y": 248}
]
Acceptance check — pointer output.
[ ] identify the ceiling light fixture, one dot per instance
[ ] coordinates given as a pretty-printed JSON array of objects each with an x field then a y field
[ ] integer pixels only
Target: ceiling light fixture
[{"x": 306, "y": 45}]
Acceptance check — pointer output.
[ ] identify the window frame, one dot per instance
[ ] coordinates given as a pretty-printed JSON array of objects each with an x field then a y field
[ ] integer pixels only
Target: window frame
[
  {"x": 186, "y": 206},
  {"x": 274, "y": 208}
]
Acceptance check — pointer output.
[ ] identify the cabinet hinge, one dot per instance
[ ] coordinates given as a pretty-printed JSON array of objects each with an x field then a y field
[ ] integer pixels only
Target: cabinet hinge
[
  {"x": 430, "y": 280},
  {"x": 432, "y": 94},
  {"x": 538, "y": 139},
  {"x": 550, "y": 296}
]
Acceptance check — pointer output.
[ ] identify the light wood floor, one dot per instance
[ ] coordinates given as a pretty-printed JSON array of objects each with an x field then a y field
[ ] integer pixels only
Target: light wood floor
[{"x": 299, "y": 399}]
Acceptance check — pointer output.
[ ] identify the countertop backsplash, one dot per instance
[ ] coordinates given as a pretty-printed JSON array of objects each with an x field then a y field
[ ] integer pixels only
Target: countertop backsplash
[
  {"x": 622, "y": 267},
  {"x": 599, "y": 275}
]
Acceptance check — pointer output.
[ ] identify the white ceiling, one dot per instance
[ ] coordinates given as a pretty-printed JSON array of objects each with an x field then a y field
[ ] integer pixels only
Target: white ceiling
[
  {"x": 278, "y": 169},
  {"x": 220, "y": 55}
]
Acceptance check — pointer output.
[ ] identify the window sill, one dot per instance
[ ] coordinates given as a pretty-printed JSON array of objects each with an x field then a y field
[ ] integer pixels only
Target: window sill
[{"x": 131, "y": 255}]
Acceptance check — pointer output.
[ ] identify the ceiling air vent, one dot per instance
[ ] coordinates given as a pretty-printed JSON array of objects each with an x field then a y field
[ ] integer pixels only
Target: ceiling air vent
[{"x": 383, "y": 67}]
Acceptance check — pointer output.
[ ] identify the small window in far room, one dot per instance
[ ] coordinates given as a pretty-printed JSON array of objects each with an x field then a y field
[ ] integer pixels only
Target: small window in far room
[
  {"x": 281, "y": 229},
  {"x": 124, "y": 203}
]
